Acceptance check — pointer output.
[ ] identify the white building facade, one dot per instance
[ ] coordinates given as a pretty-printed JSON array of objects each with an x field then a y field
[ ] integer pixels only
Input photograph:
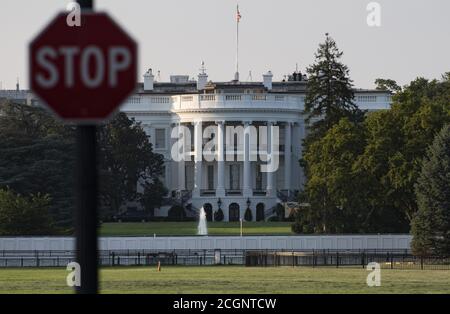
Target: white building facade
[{"x": 242, "y": 119}]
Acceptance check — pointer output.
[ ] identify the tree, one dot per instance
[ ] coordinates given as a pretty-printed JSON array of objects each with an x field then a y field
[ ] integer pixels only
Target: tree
[
  {"x": 361, "y": 176},
  {"x": 396, "y": 144},
  {"x": 384, "y": 200},
  {"x": 126, "y": 157},
  {"x": 333, "y": 189},
  {"x": 37, "y": 157},
  {"x": 329, "y": 94},
  {"x": 176, "y": 212},
  {"x": 431, "y": 223},
  {"x": 387, "y": 85},
  {"x": 24, "y": 216},
  {"x": 153, "y": 195}
]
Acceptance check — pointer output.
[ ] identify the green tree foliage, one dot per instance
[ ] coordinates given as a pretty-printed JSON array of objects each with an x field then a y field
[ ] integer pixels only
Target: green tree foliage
[
  {"x": 387, "y": 85},
  {"x": 333, "y": 186},
  {"x": 126, "y": 157},
  {"x": 218, "y": 215},
  {"x": 329, "y": 94},
  {"x": 384, "y": 202},
  {"x": 431, "y": 223},
  {"x": 36, "y": 157},
  {"x": 361, "y": 176},
  {"x": 153, "y": 195},
  {"x": 24, "y": 216},
  {"x": 176, "y": 213},
  {"x": 248, "y": 216},
  {"x": 397, "y": 140}
]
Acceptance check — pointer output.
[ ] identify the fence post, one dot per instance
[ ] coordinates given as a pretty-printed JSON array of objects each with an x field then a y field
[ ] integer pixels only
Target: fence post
[
  {"x": 293, "y": 261},
  {"x": 313, "y": 259},
  {"x": 337, "y": 259},
  {"x": 421, "y": 262}
]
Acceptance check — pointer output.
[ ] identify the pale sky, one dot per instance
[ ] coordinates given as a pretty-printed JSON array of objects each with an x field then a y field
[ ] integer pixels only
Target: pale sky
[{"x": 174, "y": 36}]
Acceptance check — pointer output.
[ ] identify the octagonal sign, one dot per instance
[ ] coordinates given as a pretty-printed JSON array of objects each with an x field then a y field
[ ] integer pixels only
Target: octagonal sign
[{"x": 84, "y": 73}]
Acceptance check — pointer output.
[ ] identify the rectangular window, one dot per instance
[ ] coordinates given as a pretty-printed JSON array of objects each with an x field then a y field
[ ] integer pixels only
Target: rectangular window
[
  {"x": 234, "y": 177},
  {"x": 160, "y": 138},
  {"x": 258, "y": 177},
  {"x": 210, "y": 177}
]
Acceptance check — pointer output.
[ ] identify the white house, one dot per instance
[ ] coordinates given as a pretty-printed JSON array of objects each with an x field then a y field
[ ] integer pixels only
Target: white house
[
  {"x": 211, "y": 112},
  {"x": 243, "y": 121}
]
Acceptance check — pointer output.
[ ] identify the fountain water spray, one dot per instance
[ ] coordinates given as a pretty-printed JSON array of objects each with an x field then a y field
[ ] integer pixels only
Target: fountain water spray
[{"x": 202, "y": 229}]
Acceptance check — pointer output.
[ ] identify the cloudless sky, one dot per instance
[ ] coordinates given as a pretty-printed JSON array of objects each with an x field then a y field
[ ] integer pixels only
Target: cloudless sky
[{"x": 176, "y": 35}]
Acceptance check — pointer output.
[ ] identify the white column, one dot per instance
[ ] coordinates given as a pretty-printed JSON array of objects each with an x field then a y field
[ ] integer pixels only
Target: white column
[
  {"x": 270, "y": 188},
  {"x": 198, "y": 136},
  {"x": 181, "y": 163},
  {"x": 220, "y": 190},
  {"x": 247, "y": 188},
  {"x": 287, "y": 156}
]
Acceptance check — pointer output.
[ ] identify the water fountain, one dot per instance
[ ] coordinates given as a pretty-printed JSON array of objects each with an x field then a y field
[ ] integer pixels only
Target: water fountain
[{"x": 202, "y": 229}]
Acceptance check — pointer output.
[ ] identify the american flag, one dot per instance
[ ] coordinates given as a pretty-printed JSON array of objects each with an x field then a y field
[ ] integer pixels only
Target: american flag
[{"x": 238, "y": 15}]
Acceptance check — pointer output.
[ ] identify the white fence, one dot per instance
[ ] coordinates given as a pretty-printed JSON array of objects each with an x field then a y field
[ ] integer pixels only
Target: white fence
[{"x": 339, "y": 242}]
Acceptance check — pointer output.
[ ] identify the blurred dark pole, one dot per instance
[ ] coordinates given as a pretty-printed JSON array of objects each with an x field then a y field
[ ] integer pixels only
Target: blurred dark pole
[
  {"x": 86, "y": 198},
  {"x": 86, "y": 4}
]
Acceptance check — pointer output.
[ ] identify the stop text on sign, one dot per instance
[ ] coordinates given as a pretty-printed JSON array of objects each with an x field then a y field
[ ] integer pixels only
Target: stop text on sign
[
  {"x": 83, "y": 74},
  {"x": 91, "y": 65}
]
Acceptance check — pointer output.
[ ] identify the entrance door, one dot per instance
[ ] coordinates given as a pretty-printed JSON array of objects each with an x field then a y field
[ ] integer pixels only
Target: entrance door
[
  {"x": 260, "y": 212},
  {"x": 210, "y": 177},
  {"x": 233, "y": 212}
]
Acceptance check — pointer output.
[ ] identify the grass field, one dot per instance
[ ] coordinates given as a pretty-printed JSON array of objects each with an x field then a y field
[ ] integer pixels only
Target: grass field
[
  {"x": 230, "y": 279},
  {"x": 190, "y": 228}
]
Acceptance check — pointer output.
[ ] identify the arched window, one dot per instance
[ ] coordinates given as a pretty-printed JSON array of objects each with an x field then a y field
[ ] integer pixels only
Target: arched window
[
  {"x": 233, "y": 212},
  {"x": 208, "y": 211}
]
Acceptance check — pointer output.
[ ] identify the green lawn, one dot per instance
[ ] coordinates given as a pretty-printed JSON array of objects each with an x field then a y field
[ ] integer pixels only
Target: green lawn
[
  {"x": 190, "y": 228},
  {"x": 231, "y": 279}
]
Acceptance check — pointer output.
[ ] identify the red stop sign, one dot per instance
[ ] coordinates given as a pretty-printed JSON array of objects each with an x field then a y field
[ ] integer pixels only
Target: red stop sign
[{"x": 83, "y": 73}]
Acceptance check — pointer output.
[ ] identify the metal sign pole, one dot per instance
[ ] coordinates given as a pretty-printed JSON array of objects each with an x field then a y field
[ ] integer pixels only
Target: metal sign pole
[{"x": 87, "y": 190}]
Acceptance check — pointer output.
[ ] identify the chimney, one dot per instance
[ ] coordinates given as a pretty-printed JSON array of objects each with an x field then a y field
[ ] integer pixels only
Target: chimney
[
  {"x": 148, "y": 80},
  {"x": 267, "y": 80},
  {"x": 202, "y": 78}
]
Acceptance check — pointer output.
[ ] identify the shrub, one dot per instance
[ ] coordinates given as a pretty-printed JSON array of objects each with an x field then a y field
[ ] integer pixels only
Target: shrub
[
  {"x": 25, "y": 215},
  {"x": 218, "y": 215},
  {"x": 177, "y": 213},
  {"x": 248, "y": 215}
]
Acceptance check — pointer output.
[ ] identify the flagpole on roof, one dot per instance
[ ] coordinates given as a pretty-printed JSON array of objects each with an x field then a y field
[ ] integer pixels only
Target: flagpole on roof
[{"x": 238, "y": 18}]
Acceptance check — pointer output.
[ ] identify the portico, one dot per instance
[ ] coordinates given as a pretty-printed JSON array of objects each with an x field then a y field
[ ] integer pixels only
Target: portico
[{"x": 241, "y": 141}]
